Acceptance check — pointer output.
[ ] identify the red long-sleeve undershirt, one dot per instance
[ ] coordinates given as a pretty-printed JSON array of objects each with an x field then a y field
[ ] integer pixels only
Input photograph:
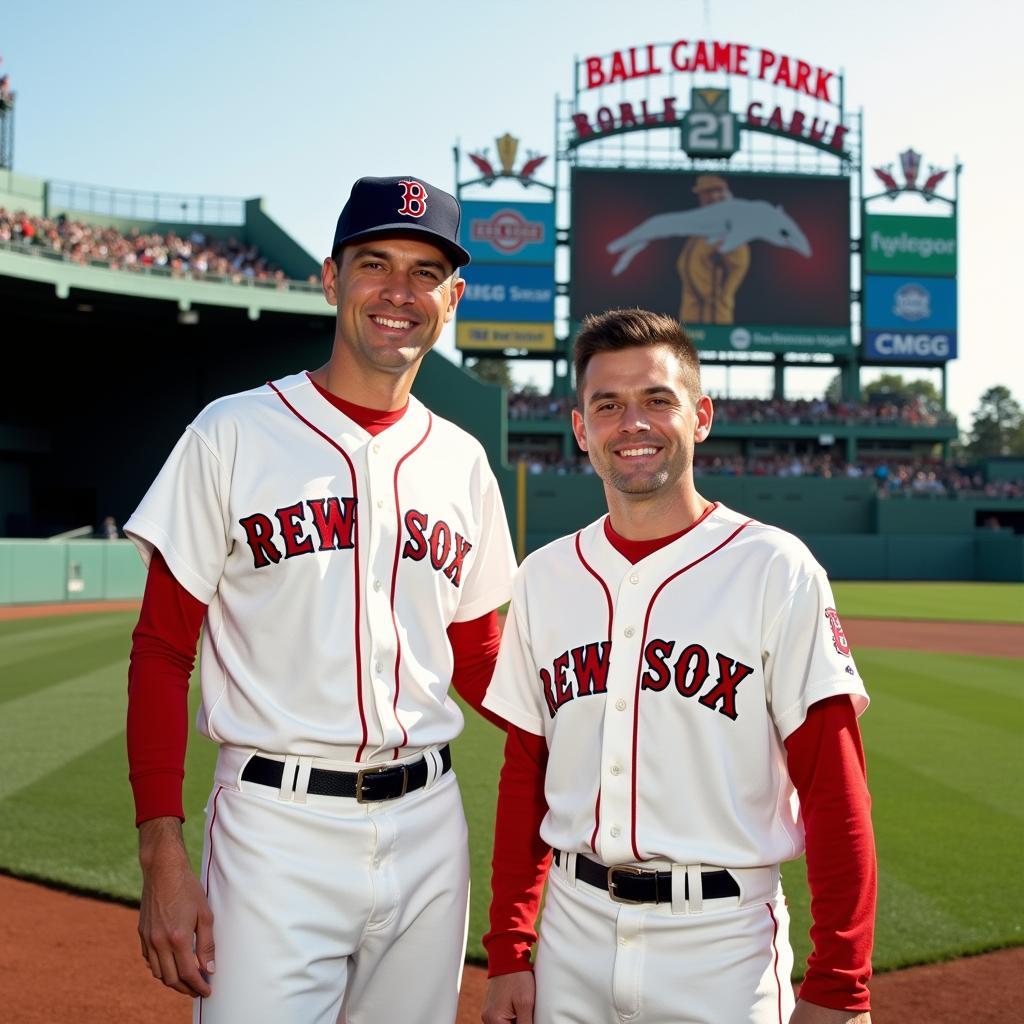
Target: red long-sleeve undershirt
[
  {"x": 163, "y": 654},
  {"x": 164, "y": 650},
  {"x": 825, "y": 759}
]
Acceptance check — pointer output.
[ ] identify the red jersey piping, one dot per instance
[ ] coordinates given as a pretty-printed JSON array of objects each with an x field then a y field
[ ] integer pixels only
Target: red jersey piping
[
  {"x": 209, "y": 864},
  {"x": 394, "y": 579},
  {"x": 775, "y": 962},
  {"x": 640, "y": 664},
  {"x": 608, "y": 598},
  {"x": 358, "y": 615}
]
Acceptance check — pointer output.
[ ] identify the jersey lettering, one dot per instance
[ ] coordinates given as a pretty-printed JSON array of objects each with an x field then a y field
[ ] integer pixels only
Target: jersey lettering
[
  {"x": 690, "y": 672},
  {"x": 655, "y": 654},
  {"x": 334, "y": 520},
  {"x": 258, "y": 533},
  {"x": 441, "y": 543},
  {"x": 589, "y": 674},
  {"x": 414, "y": 199},
  {"x": 454, "y": 570},
  {"x": 730, "y": 675},
  {"x": 590, "y": 663},
  {"x": 694, "y": 659},
  {"x": 416, "y": 546},
  {"x": 290, "y": 517}
]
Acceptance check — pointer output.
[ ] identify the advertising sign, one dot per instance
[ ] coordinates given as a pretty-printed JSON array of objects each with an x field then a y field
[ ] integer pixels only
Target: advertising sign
[
  {"x": 910, "y": 346},
  {"x": 910, "y": 303},
  {"x": 518, "y": 293},
  {"x": 909, "y": 245},
  {"x": 754, "y": 262},
  {"x": 507, "y": 306},
  {"x": 496, "y": 335},
  {"x": 509, "y": 232}
]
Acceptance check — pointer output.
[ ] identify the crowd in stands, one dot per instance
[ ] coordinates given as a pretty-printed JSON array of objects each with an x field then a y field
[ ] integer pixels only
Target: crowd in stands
[
  {"x": 525, "y": 405},
  {"x": 196, "y": 255},
  {"x": 528, "y": 405},
  {"x": 892, "y": 477},
  {"x": 792, "y": 411}
]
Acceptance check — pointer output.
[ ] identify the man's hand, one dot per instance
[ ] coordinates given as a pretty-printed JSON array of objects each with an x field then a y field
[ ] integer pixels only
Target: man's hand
[
  {"x": 173, "y": 910},
  {"x": 810, "y": 1013},
  {"x": 510, "y": 997}
]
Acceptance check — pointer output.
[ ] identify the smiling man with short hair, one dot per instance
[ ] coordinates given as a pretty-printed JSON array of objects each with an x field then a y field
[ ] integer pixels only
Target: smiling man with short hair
[
  {"x": 346, "y": 550},
  {"x": 682, "y": 708}
]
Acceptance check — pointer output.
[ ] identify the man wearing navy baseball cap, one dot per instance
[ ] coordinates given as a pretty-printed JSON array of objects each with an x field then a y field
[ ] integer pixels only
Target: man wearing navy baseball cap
[
  {"x": 391, "y": 229},
  {"x": 348, "y": 550}
]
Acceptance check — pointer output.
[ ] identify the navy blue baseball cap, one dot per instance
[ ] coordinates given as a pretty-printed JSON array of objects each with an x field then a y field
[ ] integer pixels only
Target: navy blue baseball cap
[{"x": 402, "y": 206}]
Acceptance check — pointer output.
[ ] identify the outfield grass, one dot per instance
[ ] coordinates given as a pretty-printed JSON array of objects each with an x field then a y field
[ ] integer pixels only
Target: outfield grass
[
  {"x": 959, "y": 602},
  {"x": 942, "y": 735}
]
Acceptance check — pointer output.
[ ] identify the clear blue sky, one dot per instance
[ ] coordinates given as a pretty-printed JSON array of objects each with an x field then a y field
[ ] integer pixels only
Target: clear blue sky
[{"x": 293, "y": 101}]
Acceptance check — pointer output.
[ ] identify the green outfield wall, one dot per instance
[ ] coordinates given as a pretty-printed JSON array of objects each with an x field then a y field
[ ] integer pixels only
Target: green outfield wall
[{"x": 49, "y": 572}]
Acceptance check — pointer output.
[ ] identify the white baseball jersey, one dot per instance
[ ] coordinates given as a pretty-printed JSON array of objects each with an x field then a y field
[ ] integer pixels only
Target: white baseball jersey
[
  {"x": 665, "y": 689},
  {"x": 332, "y": 562}
]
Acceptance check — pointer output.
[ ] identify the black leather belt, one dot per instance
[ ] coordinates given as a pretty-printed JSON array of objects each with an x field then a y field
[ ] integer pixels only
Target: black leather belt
[
  {"x": 627, "y": 884},
  {"x": 369, "y": 785}
]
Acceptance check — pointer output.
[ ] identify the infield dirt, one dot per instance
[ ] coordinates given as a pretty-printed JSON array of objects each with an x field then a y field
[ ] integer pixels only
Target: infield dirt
[{"x": 68, "y": 958}]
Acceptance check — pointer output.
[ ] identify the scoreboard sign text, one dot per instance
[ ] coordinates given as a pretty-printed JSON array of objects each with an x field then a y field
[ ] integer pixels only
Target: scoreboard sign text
[{"x": 785, "y": 95}]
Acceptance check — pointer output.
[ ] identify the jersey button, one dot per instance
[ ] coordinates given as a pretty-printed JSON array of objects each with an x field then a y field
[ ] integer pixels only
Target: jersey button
[
  {"x": 628, "y": 632},
  {"x": 616, "y": 768},
  {"x": 376, "y": 584},
  {"x": 634, "y": 578},
  {"x": 376, "y": 449},
  {"x": 378, "y": 667},
  {"x": 616, "y": 831},
  {"x": 380, "y": 504},
  {"x": 620, "y": 704}
]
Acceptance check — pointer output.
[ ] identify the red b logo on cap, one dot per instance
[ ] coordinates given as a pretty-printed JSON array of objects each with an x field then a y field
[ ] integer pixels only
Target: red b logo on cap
[{"x": 414, "y": 199}]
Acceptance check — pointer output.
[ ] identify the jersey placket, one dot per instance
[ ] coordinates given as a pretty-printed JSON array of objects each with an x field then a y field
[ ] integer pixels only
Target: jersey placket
[
  {"x": 379, "y": 532},
  {"x": 621, "y": 720}
]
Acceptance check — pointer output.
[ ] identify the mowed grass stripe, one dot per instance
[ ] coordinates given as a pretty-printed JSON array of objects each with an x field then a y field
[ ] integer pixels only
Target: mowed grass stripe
[
  {"x": 74, "y": 824},
  {"x": 955, "y": 602},
  {"x": 477, "y": 757},
  {"x": 955, "y": 853},
  {"x": 946, "y": 783},
  {"x": 942, "y": 781},
  {"x": 42, "y": 731},
  {"x": 50, "y": 664},
  {"x": 54, "y": 627},
  {"x": 976, "y": 690}
]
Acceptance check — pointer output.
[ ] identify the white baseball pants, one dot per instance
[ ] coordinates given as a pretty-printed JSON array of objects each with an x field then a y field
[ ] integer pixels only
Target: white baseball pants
[
  {"x": 722, "y": 961},
  {"x": 328, "y": 911}
]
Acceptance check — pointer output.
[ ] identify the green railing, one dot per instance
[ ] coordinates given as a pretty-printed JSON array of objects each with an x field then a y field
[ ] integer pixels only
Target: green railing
[{"x": 138, "y": 205}]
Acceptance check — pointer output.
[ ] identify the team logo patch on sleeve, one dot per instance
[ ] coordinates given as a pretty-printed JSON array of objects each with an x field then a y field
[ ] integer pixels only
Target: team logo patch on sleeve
[{"x": 838, "y": 636}]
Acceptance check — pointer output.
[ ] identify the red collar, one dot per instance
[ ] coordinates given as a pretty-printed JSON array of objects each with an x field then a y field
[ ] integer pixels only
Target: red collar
[
  {"x": 635, "y": 550},
  {"x": 373, "y": 421}
]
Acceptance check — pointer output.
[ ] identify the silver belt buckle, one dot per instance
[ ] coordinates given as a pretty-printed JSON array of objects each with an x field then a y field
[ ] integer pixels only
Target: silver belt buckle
[
  {"x": 361, "y": 798},
  {"x": 629, "y": 870}
]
